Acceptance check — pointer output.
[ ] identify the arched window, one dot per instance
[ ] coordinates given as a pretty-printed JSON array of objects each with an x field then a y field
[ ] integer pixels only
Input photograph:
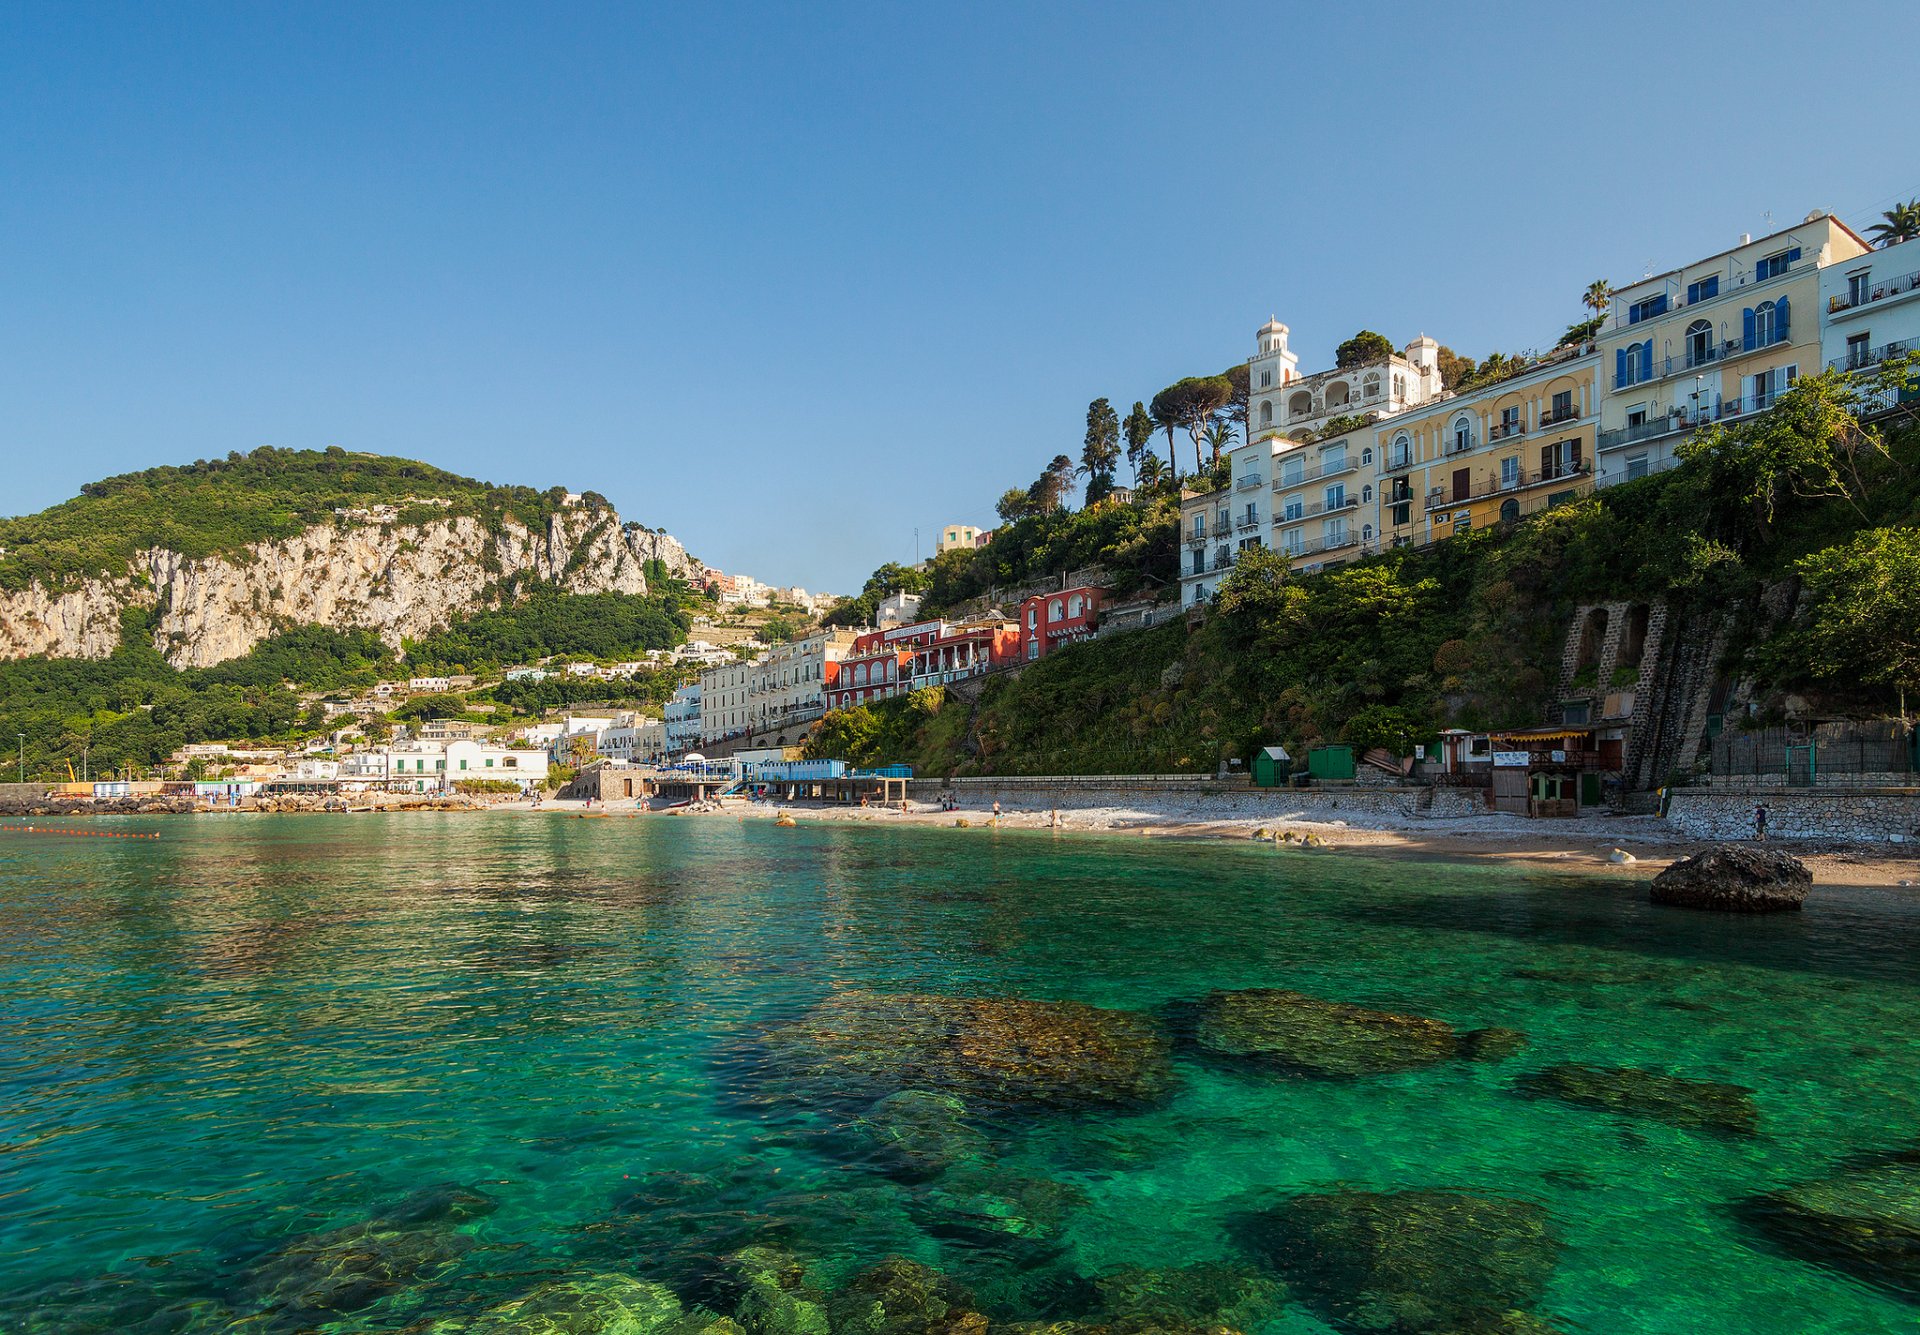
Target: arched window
[
  {"x": 1033, "y": 616},
  {"x": 1763, "y": 324},
  {"x": 1053, "y": 610},
  {"x": 1073, "y": 605},
  {"x": 1366, "y": 494},
  {"x": 1266, "y": 412},
  {"x": 1366, "y": 533},
  {"x": 1338, "y": 395},
  {"x": 1402, "y": 450},
  {"x": 1699, "y": 342},
  {"x": 1509, "y": 510},
  {"x": 1462, "y": 433},
  {"x": 1300, "y": 405},
  {"x": 1371, "y": 388},
  {"x": 1635, "y": 361}
]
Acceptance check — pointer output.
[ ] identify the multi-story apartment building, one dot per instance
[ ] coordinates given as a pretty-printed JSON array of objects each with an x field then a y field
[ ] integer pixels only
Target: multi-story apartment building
[
  {"x": 1717, "y": 339},
  {"x": 1206, "y": 543},
  {"x": 1282, "y": 402},
  {"x": 1322, "y": 499},
  {"x": 1488, "y": 455},
  {"x": 1870, "y": 308},
  {"x": 786, "y": 685},
  {"x": 1050, "y": 621},
  {"x": 680, "y": 720}
]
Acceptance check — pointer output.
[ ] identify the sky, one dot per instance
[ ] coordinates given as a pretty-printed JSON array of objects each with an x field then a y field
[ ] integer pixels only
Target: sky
[{"x": 793, "y": 281}]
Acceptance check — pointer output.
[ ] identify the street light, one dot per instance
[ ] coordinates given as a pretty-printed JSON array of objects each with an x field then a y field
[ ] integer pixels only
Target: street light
[{"x": 23, "y": 755}]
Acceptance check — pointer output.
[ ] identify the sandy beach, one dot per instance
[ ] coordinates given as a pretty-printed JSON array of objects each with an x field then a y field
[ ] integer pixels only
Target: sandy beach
[{"x": 1585, "y": 844}]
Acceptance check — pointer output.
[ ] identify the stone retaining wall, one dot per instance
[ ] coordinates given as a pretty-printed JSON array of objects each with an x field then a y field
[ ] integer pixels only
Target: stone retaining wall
[
  {"x": 1176, "y": 798},
  {"x": 1854, "y": 817}
]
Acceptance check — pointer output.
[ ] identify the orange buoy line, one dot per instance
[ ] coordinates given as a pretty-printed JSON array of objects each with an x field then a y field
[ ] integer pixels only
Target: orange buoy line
[{"x": 77, "y": 834}]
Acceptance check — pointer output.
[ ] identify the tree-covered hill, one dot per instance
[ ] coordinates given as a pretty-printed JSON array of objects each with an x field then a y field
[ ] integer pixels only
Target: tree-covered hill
[{"x": 219, "y": 506}]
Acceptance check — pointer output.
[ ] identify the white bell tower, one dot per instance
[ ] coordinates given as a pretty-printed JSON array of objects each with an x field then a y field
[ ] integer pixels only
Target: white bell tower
[{"x": 1271, "y": 368}]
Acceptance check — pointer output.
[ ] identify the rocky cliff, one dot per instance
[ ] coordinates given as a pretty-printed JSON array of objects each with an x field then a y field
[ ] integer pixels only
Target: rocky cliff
[{"x": 399, "y": 580}]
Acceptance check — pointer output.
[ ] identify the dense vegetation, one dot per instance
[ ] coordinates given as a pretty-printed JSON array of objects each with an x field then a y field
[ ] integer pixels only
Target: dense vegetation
[
  {"x": 1820, "y": 496},
  {"x": 219, "y": 506},
  {"x": 547, "y": 622}
]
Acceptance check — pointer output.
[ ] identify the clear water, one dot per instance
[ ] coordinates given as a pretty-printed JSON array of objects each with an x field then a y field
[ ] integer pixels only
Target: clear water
[{"x": 255, "y": 1028}]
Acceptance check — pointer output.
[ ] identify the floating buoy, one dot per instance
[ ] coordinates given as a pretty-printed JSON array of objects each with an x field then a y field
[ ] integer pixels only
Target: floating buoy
[{"x": 77, "y": 834}]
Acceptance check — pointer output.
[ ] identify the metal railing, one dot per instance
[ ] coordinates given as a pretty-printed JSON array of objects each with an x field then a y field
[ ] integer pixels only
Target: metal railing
[
  {"x": 1863, "y": 358},
  {"x": 1504, "y": 430},
  {"x": 1294, "y": 516},
  {"x": 1313, "y": 473},
  {"x": 1440, "y": 497},
  {"x": 1879, "y": 291},
  {"x": 1685, "y": 419},
  {"x": 1873, "y": 754},
  {"x": 1338, "y": 542}
]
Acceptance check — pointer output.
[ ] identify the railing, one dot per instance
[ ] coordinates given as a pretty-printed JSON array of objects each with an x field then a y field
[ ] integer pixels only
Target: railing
[
  {"x": 1440, "y": 497},
  {"x": 1685, "y": 419},
  {"x": 1294, "y": 516},
  {"x": 1865, "y": 357},
  {"x": 1313, "y": 473},
  {"x": 1504, "y": 430},
  {"x": 1701, "y": 355},
  {"x": 1250, "y": 480},
  {"x": 1250, "y": 519},
  {"x": 1553, "y": 418},
  {"x": 1892, "y": 287},
  {"x": 1338, "y": 542},
  {"x": 1729, "y": 284}
]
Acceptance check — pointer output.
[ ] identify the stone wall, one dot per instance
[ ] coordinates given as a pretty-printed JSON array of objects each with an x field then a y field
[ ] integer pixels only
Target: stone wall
[
  {"x": 25, "y": 792},
  {"x": 1854, "y": 817},
  {"x": 1176, "y": 797}
]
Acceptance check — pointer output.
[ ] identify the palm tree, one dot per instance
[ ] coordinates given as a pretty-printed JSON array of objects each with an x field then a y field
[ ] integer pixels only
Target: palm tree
[
  {"x": 1599, "y": 296},
  {"x": 1220, "y": 437},
  {"x": 1899, "y": 223}
]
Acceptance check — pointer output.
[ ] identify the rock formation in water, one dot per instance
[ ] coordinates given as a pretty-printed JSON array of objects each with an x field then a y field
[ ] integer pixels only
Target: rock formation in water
[
  {"x": 1293, "y": 1031},
  {"x": 1735, "y": 878},
  {"x": 1698, "y": 1105},
  {"x": 1864, "y": 1222},
  {"x": 400, "y": 580}
]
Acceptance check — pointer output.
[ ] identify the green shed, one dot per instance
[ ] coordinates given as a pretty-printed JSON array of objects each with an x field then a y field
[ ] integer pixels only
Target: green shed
[
  {"x": 1330, "y": 763},
  {"x": 1272, "y": 767}
]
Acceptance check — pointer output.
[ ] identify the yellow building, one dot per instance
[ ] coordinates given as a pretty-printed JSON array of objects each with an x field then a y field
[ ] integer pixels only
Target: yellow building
[
  {"x": 956, "y": 538},
  {"x": 1718, "y": 339},
  {"x": 1492, "y": 454}
]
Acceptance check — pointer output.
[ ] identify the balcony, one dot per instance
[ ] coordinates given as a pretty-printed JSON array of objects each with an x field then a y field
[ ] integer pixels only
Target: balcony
[
  {"x": 1250, "y": 480},
  {"x": 1875, "y": 291},
  {"x": 1298, "y": 477},
  {"x": 1685, "y": 419},
  {"x": 1298, "y": 513},
  {"x": 1197, "y": 537},
  {"x": 1249, "y": 520},
  {"x": 1862, "y": 358},
  {"x": 1709, "y": 353},
  {"x": 1553, "y": 417},
  {"x": 1338, "y": 542},
  {"x": 1506, "y": 430},
  {"x": 1441, "y": 497}
]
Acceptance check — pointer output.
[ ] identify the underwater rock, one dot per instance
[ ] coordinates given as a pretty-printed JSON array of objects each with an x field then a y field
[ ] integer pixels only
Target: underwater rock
[
  {"x": 1410, "y": 1262},
  {"x": 903, "y": 1297},
  {"x": 776, "y": 1297},
  {"x": 1492, "y": 1045},
  {"x": 1734, "y": 878},
  {"x": 1697, "y": 1105},
  {"x": 594, "y": 1304},
  {"x": 1006, "y": 1049},
  {"x": 1864, "y": 1223},
  {"x": 988, "y": 1203},
  {"x": 918, "y": 1134},
  {"x": 1296, "y": 1031},
  {"x": 1208, "y": 1293},
  {"x": 342, "y": 1270}
]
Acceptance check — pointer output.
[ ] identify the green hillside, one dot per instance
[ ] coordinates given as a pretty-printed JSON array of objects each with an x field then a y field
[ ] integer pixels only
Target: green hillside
[
  {"x": 219, "y": 506},
  {"x": 1820, "y": 497}
]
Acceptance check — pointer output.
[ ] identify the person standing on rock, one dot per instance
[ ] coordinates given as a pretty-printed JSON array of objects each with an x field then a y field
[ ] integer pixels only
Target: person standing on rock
[{"x": 1760, "y": 821}]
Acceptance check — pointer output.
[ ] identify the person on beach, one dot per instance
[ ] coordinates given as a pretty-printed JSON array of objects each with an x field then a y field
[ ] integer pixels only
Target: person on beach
[
  {"x": 996, "y": 811},
  {"x": 1760, "y": 821}
]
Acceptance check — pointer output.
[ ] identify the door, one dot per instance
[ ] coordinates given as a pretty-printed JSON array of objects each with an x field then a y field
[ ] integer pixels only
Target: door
[{"x": 1462, "y": 483}]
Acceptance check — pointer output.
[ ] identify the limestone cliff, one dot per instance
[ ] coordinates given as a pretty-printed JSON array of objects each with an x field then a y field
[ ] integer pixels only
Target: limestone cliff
[{"x": 399, "y": 580}]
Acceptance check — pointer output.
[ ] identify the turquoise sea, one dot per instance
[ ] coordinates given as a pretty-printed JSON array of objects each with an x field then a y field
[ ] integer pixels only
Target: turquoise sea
[{"x": 388, "y": 1073}]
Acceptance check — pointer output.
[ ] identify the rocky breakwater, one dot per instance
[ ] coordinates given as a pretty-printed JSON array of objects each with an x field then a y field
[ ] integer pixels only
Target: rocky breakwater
[
  {"x": 1735, "y": 878},
  {"x": 398, "y": 580}
]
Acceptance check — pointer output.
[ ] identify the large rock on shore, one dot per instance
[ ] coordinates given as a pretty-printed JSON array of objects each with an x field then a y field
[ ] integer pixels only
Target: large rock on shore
[
  {"x": 1865, "y": 1223},
  {"x": 1697, "y": 1105},
  {"x": 1293, "y": 1031},
  {"x": 1411, "y": 1262},
  {"x": 1735, "y": 878},
  {"x": 983, "y": 1050}
]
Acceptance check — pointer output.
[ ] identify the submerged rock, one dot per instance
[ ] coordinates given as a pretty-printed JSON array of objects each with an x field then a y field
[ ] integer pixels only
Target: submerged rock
[
  {"x": 1299, "y": 1032},
  {"x": 1864, "y": 1223},
  {"x": 903, "y": 1297},
  {"x": 1411, "y": 1262},
  {"x": 594, "y": 1304},
  {"x": 919, "y": 1134},
  {"x": 988, "y": 1203},
  {"x": 776, "y": 1296},
  {"x": 1005, "y": 1049},
  {"x": 1735, "y": 878},
  {"x": 1206, "y": 1294},
  {"x": 1697, "y": 1105},
  {"x": 1492, "y": 1045}
]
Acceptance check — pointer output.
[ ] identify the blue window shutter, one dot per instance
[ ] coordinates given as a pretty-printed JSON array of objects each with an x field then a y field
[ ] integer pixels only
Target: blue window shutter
[
  {"x": 1780, "y": 320},
  {"x": 1619, "y": 368},
  {"x": 1746, "y": 329},
  {"x": 1660, "y": 304},
  {"x": 1793, "y": 256},
  {"x": 1646, "y": 360}
]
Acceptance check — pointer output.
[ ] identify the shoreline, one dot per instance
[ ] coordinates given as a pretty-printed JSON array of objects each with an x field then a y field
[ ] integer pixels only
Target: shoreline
[{"x": 1585, "y": 845}]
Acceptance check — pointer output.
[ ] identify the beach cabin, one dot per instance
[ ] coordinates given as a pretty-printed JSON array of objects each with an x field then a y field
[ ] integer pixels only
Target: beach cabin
[
  {"x": 1272, "y": 767},
  {"x": 1331, "y": 764}
]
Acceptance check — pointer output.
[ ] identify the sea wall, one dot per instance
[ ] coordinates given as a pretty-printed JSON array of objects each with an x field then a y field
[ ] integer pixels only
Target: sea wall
[
  {"x": 1176, "y": 797},
  {"x": 1856, "y": 817}
]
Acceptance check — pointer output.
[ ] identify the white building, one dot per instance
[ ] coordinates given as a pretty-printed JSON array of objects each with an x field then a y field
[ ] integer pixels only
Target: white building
[
  {"x": 1216, "y": 526},
  {"x": 1282, "y": 402},
  {"x": 898, "y": 609},
  {"x": 527, "y": 674},
  {"x": 427, "y": 684},
  {"x": 582, "y": 670},
  {"x": 428, "y": 767},
  {"x": 682, "y": 720},
  {"x": 633, "y": 740},
  {"x": 784, "y": 685},
  {"x": 1870, "y": 308}
]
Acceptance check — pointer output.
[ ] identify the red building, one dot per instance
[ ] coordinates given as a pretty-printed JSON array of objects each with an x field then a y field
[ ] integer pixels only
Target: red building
[
  {"x": 890, "y": 662},
  {"x": 1049, "y": 620}
]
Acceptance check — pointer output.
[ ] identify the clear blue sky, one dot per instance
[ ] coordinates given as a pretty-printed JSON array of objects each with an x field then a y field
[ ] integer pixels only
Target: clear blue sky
[{"x": 792, "y": 283}]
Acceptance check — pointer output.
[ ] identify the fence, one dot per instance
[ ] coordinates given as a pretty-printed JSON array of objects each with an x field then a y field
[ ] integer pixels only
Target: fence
[{"x": 1878, "y": 754}]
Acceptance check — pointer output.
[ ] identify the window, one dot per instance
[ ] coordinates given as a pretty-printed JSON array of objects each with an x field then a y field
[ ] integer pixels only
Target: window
[
  {"x": 1371, "y": 388},
  {"x": 1292, "y": 472},
  {"x": 1704, "y": 290},
  {"x": 1199, "y": 526},
  {"x": 1636, "y": 467},
  {"x": 1073, "y": 603},
  {"x": 1336, "y": 531},
  {"x": 1033, "y": 614},
  {"x": 1199, "y": 568},
  {"x": 1266, "y": 412},
  {"x": 1402, "y": 450},
  {"x": 1334, "y": 459},
  {"x": 1509, "y": 510},
  {"x": 1768, "y": 386},
  {"x": 1399, "y": 387},
  {"x": 1763, "y": 324},
  {"x": 489, "y": 763},
  {"x": 1699, "y": 342},
  {"x": 1562, "y": 405},
  {"x": 1266, "y": 381},
  {"x": 1647, "y": 308},
  {"x": 1858, "y": 285},
  {"x": 1510, "y": 471},
  {"x": 1296, "y": 508},
  {"x": 1336, "y": 498},
  {"x": 1293, "y": 541},
  {"x": 1300, "y": 405},
  {"x": 1775, "y": 265},
  {"x": 1248, "y": 544},
  {"x": 1462, "y": 434},
  {"x": 1509, "y": 421},
  {"x": 1859, "y": 347},
  {"x": 1401, "y": 514},
  {"x": 1366, "y": 457},
  {"x": 1366, "y": 495},
  {"x": 1366, "y": 533},
  {"x": 1632, "y": 364}
]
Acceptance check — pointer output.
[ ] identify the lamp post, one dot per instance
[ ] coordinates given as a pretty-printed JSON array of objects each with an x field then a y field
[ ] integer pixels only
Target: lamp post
[{"x": 23, "y": 755}]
